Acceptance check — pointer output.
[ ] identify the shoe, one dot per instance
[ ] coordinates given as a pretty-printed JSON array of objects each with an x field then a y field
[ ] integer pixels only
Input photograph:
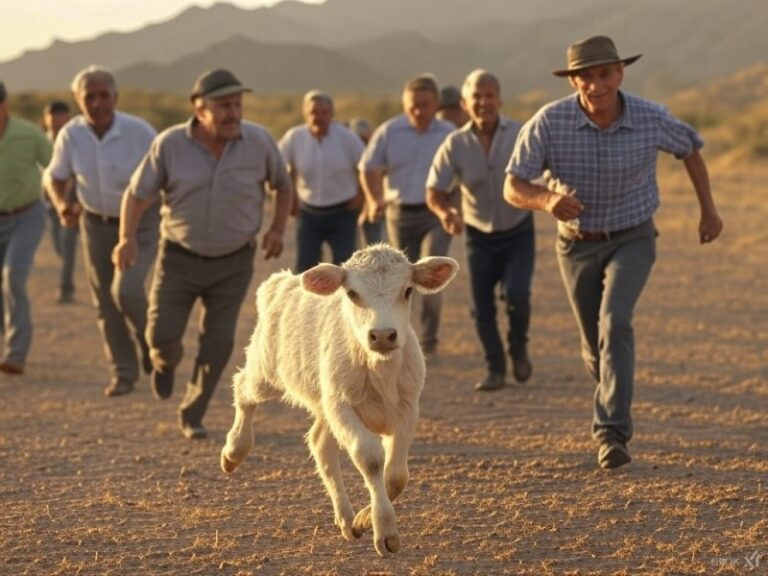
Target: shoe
[
  {"x": 494, "y": 381},
  {"x": 65, "y": 297},
  {"x": 613, "y": 454},
  {"x": 429, "y": 350},
  {"x": 118, "y": 387},
  {"x": 521, "y": 366},
  {"x": 11, "y": 368},
  {"x": 162, "y": 384},
  {"x": 194, "y": 432},
  {"x": 146, "y": 359}
]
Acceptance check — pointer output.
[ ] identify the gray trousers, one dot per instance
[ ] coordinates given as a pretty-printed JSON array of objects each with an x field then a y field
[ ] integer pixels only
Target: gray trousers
[
  {"x": 181, "y": 278},
  {"x": 20, "y": 236},
  {"x": 120, "y": 297},
  {"x": 604, "y": 281},
  {"x": 418, "y": 233}
]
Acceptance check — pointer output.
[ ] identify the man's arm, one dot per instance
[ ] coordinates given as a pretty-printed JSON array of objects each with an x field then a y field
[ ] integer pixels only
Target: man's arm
[
  {"x": 372, "y": 182},
  {"x": 449, "y": 214},
  {"x": 710, "y": 224},
  {"x": 272, "y": 241},
  {"x": 67, "y": 207},
  {"x": 127, "y": 249},
  {"x": 529, "y": 196}
]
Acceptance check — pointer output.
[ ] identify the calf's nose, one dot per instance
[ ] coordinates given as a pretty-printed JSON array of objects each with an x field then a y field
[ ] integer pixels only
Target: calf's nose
[{"x": 382, "y": 339}]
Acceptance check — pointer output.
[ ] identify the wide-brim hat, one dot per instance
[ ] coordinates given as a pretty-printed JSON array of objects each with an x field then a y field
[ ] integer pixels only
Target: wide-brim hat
[
  {"x": 594, "y": 51},
  {"x": 215, "y": 84}
]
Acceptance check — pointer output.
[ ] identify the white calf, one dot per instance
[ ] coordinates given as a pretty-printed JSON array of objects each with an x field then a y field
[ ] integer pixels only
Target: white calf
[{"x": 337, "y": 341}]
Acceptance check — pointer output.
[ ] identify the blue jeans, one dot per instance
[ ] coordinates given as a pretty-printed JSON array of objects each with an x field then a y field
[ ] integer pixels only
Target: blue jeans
[
  {"x": 335, "y": 225},
  {"x": 417, "y": 231},
  {"x": 20, "y": 235},
  {"x": 65, "y": 244},
  {"x": 604, "y": 281},
  {"x": 505, "y": 258}
]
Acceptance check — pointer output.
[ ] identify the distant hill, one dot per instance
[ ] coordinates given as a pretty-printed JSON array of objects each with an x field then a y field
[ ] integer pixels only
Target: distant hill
[{"x": 372, "y": 46}]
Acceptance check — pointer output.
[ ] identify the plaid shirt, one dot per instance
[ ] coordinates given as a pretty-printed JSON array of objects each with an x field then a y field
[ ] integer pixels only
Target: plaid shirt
[{"x": 613, "y": 171}]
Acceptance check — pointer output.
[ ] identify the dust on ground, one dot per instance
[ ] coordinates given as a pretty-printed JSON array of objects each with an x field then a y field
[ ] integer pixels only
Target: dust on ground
[{"x": 501, "y": 483}]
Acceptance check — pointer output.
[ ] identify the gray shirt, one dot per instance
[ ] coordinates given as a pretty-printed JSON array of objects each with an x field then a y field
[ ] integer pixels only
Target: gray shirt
[
  {"x": 211, "y": 207},
  {"x": 481, "y": 176},
  {"x": 406, "y": 155}
]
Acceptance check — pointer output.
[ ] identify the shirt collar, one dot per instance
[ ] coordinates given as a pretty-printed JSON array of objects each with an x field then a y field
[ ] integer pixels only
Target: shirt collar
[{"x": 581, "y": 120}]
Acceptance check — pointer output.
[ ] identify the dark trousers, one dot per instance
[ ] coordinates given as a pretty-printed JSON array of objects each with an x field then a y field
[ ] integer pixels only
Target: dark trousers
[
  {"x": 181, "y": 278},
  {"x": 506, "y": 259},
  {"x": 336, "y": 226}
]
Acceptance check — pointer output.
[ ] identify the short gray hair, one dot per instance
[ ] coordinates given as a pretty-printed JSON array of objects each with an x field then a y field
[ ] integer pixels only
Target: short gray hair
[
  {"x": 317, "y": 96},
  {"x": 476, "y": 77},
  {"x": 92, "y": 72}
]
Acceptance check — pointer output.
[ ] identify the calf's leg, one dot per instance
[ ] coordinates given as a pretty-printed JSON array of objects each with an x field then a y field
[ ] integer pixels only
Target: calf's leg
[
  {"x": 367, "y": 454},
  {"x": 240, "y": 436},
  {"x": 326, "y": 452}
]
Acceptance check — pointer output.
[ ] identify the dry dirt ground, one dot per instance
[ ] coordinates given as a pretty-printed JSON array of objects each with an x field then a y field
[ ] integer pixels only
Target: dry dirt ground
[{"x": 502, "y": 483}]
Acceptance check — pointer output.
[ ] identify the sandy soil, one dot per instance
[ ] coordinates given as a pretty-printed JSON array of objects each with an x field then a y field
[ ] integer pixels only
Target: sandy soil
[{"x": 502, "y": 483}]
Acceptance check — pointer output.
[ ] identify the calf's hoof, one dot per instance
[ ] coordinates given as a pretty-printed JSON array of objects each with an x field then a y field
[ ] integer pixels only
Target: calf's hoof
[
  {"x": 228, "y": 465},
  {"x": 362, "y": 522},
  {"x": 387, "y": 545}
]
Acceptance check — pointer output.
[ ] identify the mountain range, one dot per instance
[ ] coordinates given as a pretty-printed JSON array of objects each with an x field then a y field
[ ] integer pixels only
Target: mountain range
[{"x": 373, "y": 46}]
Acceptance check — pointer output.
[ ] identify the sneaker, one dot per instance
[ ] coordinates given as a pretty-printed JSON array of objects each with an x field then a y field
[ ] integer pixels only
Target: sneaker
[
  {"x": 613, "y": 454},
  {"x": 194, "y": 432},
  {"x": 162, "y": 384},
  {"x": 521, "y": 366},
  {"x": 118, "y": 387},
  {"x": 11, "y": 368},
  {"x": 494, "y": 381}
]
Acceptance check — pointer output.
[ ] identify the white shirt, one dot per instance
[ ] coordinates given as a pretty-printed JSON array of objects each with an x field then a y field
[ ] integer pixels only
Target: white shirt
[
  {"x": 324, "y": 170},
  {"x": 102, "y": 168}
]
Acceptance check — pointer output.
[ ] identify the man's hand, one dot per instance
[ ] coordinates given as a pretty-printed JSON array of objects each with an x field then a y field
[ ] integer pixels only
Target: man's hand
[
  {"x": 69, "y": 213},
  {"x": 452, "y": 221},
  {"x": 710, "y": 227},
  {"x": 562, "y": 206},
  {"x": 272, "y": 244},
  {"x": 125, "y": 253},
  {"x": 375, "y": 209}
]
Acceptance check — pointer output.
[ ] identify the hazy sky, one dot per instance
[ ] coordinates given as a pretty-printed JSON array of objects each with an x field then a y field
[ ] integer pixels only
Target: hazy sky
[{"x": 26, "y": 24}]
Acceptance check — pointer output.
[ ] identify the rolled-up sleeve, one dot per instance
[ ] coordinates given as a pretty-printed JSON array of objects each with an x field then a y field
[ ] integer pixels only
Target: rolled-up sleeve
[
  {"x": 60, "y": 166},
  {"x": 150, "y": 175},
  {"x": 529, "y": 156},
  {"x": 677, "y": 137},
  {"x": 442, "y": 173},
  {"x": 375, "y": 155}
]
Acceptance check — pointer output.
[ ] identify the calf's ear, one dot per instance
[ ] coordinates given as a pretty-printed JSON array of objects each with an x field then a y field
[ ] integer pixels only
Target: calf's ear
[
  {"x": 432, "y": 274},
  {"x": 323, "y": 279}
]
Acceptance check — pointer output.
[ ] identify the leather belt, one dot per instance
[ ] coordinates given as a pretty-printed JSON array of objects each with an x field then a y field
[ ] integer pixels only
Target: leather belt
[
  {"x": 179, "y": 249},
  {"x": 592, "y": 236},
  {"x": 101, "y": 217},
  {"x": 413, "y": 207},
  {"x": 18, "y": 210}
]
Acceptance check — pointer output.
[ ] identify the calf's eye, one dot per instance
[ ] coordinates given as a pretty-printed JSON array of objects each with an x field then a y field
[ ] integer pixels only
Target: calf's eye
[
  {"x": 353, "y": 295},
  {"x": 408, "y": 292}
]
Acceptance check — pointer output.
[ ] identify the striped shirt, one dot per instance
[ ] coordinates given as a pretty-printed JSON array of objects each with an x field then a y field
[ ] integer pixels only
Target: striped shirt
[{"x": 612, "y": 170}]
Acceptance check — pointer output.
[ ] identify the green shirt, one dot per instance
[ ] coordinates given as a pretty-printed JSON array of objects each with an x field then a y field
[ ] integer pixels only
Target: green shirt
[{"x": 24, "y": 151}]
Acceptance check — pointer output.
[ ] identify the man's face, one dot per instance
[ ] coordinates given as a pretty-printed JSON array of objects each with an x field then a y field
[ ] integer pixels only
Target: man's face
[
  {"x": 97, "y": 100},
  {"x": 420, "y": 108},
  {"x": 482, "y": 102},
  {"x": 54, "y": 122},
  {"x": 598, "y": 87},
  {"x": 318, "y": 115},
  {"x": 220, "y": 117}
]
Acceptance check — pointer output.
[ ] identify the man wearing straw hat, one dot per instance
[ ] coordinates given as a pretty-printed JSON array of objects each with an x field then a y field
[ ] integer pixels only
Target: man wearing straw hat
[{"x": 600, "y": 146}]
